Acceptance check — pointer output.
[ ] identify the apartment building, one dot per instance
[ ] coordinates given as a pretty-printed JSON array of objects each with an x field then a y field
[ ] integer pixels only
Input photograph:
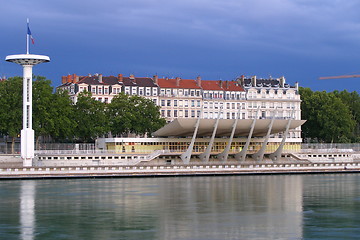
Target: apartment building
[{"x": 246, "y": 98}]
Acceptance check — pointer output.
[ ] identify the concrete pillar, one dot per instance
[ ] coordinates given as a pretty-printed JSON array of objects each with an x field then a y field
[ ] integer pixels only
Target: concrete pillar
[
  {"x": 185, "y": 157},
  {"x": 260, "y": 154},
  {"x": 206, "y": 155},
  {"x": 224, "y": 155},
  {"x": 242, "y": 154},
  {"x": 275, "y": 156}
]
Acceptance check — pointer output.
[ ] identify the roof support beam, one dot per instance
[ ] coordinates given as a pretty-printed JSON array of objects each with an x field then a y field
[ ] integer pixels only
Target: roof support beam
[
  {"x": 223, "y": 156},
  {"x": 275, "y": 156},
  {"x": 185, "y": 157},
  {"x": 205, "y": 156},
  {"x": 260, "y": 154},
  {"x": 242, "y": 154}
]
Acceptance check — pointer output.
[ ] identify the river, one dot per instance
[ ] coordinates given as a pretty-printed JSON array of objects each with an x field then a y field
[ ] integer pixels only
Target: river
[{"x": 201, "y": 208}]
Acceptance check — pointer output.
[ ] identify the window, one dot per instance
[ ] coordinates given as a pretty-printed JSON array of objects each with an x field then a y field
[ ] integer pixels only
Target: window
[
  {"x": 198, "y": 113},
  {"x": 106, "y": 90},
  {"x": 175, "y": 103},
  {"x": 133, "y": 91},
  {"x": 168, "y": 103},
  {"x": 205, "y": 104},
  {"x": 175, "y": 113},
  {"x": 168, "y": 92},
  {"x": 192, "y": 113},
  {"x": 186, "y": 113},
  {"x": 106, "y": 100},
  {"x": 127, "y": 90},
  {"x": 186, "y": 103},
  {"x": 168, "y": 113},
  {"x": 162, "y": 102},
  {"x": 198, "y": 103},
  {"x": 192, "y": 103},
  {"x": 163, "y": 113},
  {"x": 192, "y": 93},
  {"x": 155, "y": 91},
  {"x": 99, "y": 90}
]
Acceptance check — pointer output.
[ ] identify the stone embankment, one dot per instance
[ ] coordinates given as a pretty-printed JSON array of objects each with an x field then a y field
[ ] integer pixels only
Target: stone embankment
[{"x": 176, "y": 170}]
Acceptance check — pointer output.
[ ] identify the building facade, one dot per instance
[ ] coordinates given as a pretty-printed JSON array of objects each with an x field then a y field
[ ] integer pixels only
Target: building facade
[{"x": 243, "y": 98}]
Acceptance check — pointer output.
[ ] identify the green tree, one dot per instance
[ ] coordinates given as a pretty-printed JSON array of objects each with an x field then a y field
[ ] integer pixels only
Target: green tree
[
  {"x": 90, "y": 118},
  {"x": 147, "y": 116},
  {"x": 328, "y": 118},
  {"x": 352, "y": 100},
  {"x": 64, "y": 123},
  {"x": 43, "y": 111},
  {"x": 11, "y": 108},
  {"x": 133, "y": 114},
  {"x": 121, "y": 115}
]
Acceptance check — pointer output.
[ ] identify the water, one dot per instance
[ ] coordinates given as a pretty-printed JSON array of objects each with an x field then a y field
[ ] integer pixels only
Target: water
[{"x": 231, "y": 207}]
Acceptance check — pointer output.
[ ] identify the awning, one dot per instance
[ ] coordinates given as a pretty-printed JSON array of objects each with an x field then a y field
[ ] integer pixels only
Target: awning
[{"x": 186, "y": 127}]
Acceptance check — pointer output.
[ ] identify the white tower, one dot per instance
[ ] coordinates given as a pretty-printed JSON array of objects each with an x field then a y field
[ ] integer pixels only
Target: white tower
[{"x": 27, "y": 133}]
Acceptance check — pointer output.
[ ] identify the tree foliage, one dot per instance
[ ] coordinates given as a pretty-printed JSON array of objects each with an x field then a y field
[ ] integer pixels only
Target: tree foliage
[
  {"x": 90, "y": 118},
  {"x": 11, "y": 108},
  {"x": 133, "y": 114},
  {"x": 329, "y": 117},
  {"x": 56, "y": 117}
]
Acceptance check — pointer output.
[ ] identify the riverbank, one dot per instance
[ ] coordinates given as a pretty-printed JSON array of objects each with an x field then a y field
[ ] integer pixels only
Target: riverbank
[{"x": 176, "y": 170}]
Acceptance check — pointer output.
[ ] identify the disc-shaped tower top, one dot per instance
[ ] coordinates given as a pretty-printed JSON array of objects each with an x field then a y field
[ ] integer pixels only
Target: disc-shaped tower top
[{"x": 27, "y": 59}]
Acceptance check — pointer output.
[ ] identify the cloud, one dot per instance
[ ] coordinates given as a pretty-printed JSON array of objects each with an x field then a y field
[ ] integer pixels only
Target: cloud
[{"x": 163, "y": 34}]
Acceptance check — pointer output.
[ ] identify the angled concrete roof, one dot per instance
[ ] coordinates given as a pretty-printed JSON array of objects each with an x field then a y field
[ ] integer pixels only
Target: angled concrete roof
[{"x": 186, "y": 127}]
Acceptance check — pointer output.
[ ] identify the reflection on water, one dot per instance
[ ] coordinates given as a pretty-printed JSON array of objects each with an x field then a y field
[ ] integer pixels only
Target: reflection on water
[
  {"x": 258, "y": 207},
  {"x": 27, "y": 210},
  {"x": 231, "y": 207}
]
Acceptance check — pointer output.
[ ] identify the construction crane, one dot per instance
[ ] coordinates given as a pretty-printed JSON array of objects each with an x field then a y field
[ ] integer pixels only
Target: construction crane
[{"x": 342, "y": 76}]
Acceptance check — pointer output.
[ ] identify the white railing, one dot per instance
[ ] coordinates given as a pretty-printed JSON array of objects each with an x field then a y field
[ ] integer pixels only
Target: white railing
[{"x": 329, "y": 150}]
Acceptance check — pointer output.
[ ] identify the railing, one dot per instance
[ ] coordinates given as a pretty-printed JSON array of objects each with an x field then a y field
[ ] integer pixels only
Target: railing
[{"x": 312, "y": 146}]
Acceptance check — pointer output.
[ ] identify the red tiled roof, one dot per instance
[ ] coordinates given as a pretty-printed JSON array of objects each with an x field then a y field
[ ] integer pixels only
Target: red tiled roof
[
  {"x": 232, "y": 86},
  {"x": 182, "y": 83},
  {"x": 211, "y": 85}
]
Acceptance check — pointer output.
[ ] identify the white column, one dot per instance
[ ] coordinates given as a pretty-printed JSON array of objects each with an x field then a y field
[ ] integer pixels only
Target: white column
[{"x": 27, "y": 133}]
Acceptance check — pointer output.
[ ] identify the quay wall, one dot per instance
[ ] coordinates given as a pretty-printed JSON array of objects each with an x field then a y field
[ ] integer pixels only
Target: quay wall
[{"x": 176, "y": 170}]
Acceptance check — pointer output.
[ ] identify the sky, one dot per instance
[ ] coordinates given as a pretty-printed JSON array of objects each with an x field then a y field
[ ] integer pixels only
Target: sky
[{"x": 216, "y": 39}]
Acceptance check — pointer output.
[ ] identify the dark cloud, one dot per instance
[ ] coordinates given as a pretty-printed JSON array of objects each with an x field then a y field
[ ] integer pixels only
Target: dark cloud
[{"x": 301, "y": 39}]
